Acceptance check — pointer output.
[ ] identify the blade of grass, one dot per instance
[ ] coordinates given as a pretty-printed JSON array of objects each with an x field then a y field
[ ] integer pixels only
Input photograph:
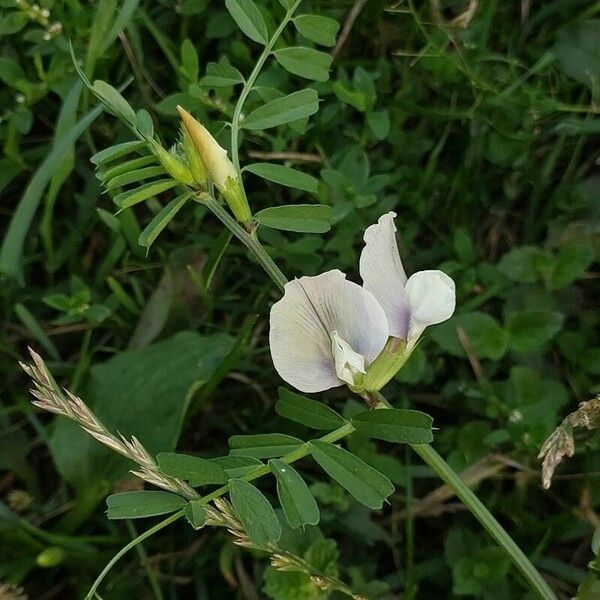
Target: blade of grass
[
  {"x": 36, "y": 330},
  {"x": 11, "y": 253}
]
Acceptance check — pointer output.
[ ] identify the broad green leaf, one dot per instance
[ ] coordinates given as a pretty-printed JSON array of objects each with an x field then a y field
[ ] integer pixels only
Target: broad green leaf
[
  {"x": 299, "y": 505},
  {"x": 525, "y": 264},
  {"x": 395, "y": 425},
  {"x": 305, "y": 62},
  {"x": 144, "y": 123},
  {"x": 142, "y": 392},
  {"x": 156, "y": 312},
  {"x": 379, "y": 122},
  {"x": 249, "y": 19},
  {"x": 486, "y": 338},
  {"x": 307, "y": 412},
  {"x": 263, "y": 445},
  {"x": 13, "y": 22},
  {"x": 189, "y": 60},
  {"x": 367, "y": 485},
  {"x": 578, "y": 51},
  {"x": 254, "y": 512},
  {"x": 284, "y": 176},
  {"x": 221, "y": 75},
  {"x": 287, "y": 4},
  {"x": 135, "y": 505},
  {"x": 321, "y": 30},
  {"x": 283, "y": 110},
  {"x": 148, "y": 190},
  {"x": 350, "y": 96},
  {"x": 196, "y": 470},
  {"x": 116, "y": 151},
  {"x": 162, "y": 219},
  {"x": 529, "y": 330},
  {"x": 195, "y": 514},
  {"x": 302, "y": 218},
  {"x": 134, "y": 176},
  {"x": 572, "y": 261},
  {"x": 114, "y": 101},
  {"x": 236, "y": 466}
]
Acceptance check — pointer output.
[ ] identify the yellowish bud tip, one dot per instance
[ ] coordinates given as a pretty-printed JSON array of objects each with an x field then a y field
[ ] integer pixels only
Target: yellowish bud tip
[
  {"x": 214, "y": 157},
  {"x": 218, "y": 165}
]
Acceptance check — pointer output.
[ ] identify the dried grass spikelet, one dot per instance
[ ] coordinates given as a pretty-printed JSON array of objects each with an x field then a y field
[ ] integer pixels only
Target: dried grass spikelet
[
  {"x": 50, "y": 397},
  {"x": 560, "y": 442},
  {"x": 11, "y": 592}
]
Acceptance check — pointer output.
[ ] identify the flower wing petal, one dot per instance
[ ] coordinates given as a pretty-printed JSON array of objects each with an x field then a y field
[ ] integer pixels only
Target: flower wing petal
[
  {"x": 432, "y": 299},
  {"x": 383, "y": 274},
  {"x": 300, "y": 344},
  {"x": 302, "y": 323}
]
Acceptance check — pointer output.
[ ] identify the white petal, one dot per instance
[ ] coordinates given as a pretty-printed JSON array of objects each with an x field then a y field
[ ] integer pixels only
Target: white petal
[
  {"x": 432, "y": 299},
  {"x": 302, "y": 323},
  {"x": 348, "y": 363},
  {"x": 383, "y": 274}
]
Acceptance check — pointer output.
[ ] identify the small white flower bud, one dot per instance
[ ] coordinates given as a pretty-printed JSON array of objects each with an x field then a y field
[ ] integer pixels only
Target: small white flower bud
[{"x": 219, "y": 167}]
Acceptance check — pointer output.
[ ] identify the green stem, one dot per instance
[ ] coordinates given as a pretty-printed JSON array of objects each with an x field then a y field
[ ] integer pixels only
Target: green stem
[
  {"x": 249, "y": 240},
  {"x": 132, "y": 544},
  {"x": 249, "y": 84},
  {"x": 146, "y": 563},
  {"x": 483, "y": 515},
  {"x": 425, "y": 451},
  {"x": 289, "y": 458},
  {"x": 445, "y": 472}
]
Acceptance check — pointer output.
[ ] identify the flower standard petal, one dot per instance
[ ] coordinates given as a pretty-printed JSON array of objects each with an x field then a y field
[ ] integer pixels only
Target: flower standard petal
[
  {"x": 432, "y": 299},
  {"x": 303, "y": 321},
  {"x": 383, "y": 274}
]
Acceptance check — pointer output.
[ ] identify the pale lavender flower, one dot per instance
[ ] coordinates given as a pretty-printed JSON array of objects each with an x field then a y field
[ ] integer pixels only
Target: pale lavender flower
[
  {"x": 410, "y": 304},
  {"x": 325, "y": 332}
]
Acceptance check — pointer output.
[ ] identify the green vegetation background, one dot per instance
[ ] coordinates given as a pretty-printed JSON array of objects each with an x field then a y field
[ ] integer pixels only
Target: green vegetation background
[{"x": 475, "y": 122}]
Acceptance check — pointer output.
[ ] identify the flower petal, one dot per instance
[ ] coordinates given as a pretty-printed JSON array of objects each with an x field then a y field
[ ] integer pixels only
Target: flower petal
[
  {"x": 432, "y": 299},
  {"x": 348, "y": 363},
  {"x": 383, "y": 274},
  {"x": 302, "y": 323}
]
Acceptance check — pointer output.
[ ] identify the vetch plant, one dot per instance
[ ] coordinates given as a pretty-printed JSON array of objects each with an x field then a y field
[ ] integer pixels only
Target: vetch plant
[{"x": 326, "y": 331}]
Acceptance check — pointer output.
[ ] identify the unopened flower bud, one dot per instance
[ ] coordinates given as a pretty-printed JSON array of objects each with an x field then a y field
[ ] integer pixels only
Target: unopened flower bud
[
  {"x": 172, "y": 164},
  {"x": 50, "y": 557},
  {"x": 19, "y": 500},
  {"x": 219, "y": 167},
  {"x": 195, "y": 162}
]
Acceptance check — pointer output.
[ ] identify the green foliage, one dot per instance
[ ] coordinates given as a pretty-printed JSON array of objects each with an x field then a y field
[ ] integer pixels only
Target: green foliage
[
  {"x": 135, "y": 505},
  {"x": 255, "y": 513},
  {"x": 479, "y": 130},
  {"x": 400, "y": 426},
  {"x": 367, "y": 485},
  {"x": 299, "y": 506},
  {"x": 195, "y": 470},
  {"x": 135, "y": 392},
  {"x": 284, "y": 176},
  {"x": 263, "y": 445},
  {"x": 283, "y": 110},
  {"x": 301, "y": 218},
  {"x": 306, "y": 411}
]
